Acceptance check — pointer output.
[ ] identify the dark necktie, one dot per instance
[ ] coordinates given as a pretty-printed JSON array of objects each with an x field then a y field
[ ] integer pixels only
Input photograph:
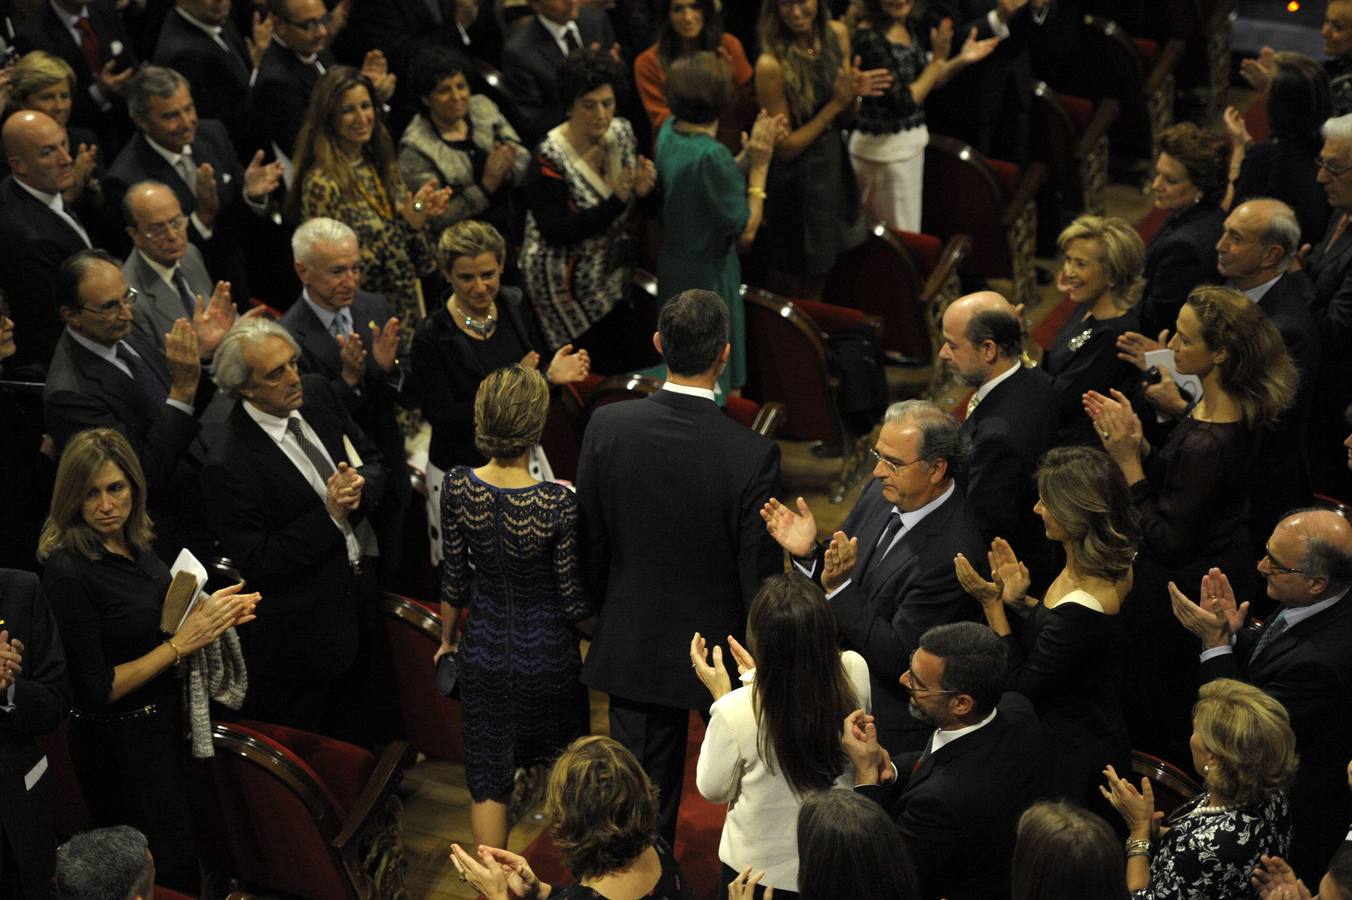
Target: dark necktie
[
  {"x": 885, "y": 542},
  {"x": 185, "y": 292},
  {"x": 1271, "y": 633},
  {"x": 315, "y": 455},
  {"x": 570, "y": 38},
  {"x": 89, "y": 45},
  {"x": 142, "y": 374},
  {"x": 341, "y": 326}
]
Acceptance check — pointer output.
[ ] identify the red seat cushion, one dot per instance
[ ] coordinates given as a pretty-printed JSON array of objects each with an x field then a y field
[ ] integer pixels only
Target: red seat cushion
[
  {"x": 742, "y": 411},
  {"x": 926, "y": 248},
  {"x": 1007, "y": 175},
  {"x": 164, "y": 893},
  {"x": 1081, "y": 110},
  {"x": 1147, "y": 227},
  {"x": 1149, "y": 50},
  {"x": 340, "y": 767},
  {"x": 829, "y": 317}
]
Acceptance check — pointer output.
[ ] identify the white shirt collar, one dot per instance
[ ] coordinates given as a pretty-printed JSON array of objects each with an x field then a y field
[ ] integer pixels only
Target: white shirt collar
[
  {"x": 689, "y": 391},
  {"x": 166, "y": 274},
  {"x": 51, "y": 201},
  {"x": 558, "y": 31},
  {"x": 67, "y": 19},
  {"x": 103, "y": 351},
  {"x": 913, "y": 518},
  {"x": 942, "y": 736},
  {"x": 308, "y": 60},
  {"x": 1257, "y": 293},
  {"x": 273, "y": 426},
  {"x": 170, "y": 156},
  {"x": 1296, "y": 614},
  {"x": 989, "y": 386},
  {"x": 213, "y": 30}
]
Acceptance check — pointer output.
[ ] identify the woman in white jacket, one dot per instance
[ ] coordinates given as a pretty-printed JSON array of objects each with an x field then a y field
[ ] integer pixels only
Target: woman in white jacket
[{"x": 776, "y": 739}]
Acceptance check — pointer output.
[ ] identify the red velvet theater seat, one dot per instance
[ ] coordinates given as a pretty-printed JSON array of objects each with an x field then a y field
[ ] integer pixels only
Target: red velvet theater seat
[{"x": 431, "y": 721}]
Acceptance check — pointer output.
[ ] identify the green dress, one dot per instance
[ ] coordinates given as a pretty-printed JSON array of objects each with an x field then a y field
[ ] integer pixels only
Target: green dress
[{"x": 704, "y": 211}]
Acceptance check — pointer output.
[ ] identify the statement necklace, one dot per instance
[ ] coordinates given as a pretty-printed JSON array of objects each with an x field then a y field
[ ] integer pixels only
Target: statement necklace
[{"x": 482, "y": 327}]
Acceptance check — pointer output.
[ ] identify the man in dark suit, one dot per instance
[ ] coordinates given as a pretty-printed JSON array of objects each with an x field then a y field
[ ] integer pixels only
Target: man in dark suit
[
  {"x": 349, "y": 337},
  {"x": 958, "y": 802},
  {"x": 669, "y": 491},
  {"x": 531, "y": 60},
  {"x": 199, "y": 42},
  {"x": 1330, "y": 268},
  {"x": 401, "y": 27},
  {"x": 198, "y": 163},
  {"x": 1011, "y": 421},
  {"x": 905, "y": 530},
  {"x": 34, "y": 699},
  {"x": 89, "y": 36},
  {"x": 287, "y": 489},
  {"x": 1303, "y": 658},
  {"x": 292, "y": 64},
  {"x": 38, "y": 231},
  {"x": 106, "y": 375}
]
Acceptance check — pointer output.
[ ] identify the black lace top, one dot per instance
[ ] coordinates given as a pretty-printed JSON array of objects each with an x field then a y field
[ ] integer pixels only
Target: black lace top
[{"x": 895, "y": 110}]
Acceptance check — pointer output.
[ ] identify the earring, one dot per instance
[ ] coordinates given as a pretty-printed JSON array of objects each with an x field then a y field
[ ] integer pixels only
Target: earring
[{"x": 1206, "y": 768}]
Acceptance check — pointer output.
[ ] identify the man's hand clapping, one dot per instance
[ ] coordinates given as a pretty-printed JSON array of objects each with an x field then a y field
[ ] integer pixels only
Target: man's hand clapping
[
  {"x": 344, "y": 492},
  {"x": 795, "y": 532}
]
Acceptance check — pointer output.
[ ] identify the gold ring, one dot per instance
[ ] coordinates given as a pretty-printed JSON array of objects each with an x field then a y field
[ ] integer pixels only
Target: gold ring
[
  {"x": 418, "y": 207},
  {"x": 1105, "y": 435}
]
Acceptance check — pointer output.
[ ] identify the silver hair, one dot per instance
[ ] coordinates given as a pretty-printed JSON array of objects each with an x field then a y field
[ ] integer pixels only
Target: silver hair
[
  {"x": 315, "y": 230},
  {"x": 103, "y": 864},
  {"x": 940, "y": 434},
  {"x": 149, "y": 83},
  {"x": 230, "y": 371},
  {"x": 1338, "y": 128},
  {"x": 1282, "y": 228}
]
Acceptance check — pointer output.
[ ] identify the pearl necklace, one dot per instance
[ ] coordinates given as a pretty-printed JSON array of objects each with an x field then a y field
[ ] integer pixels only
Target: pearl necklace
[
  {"x": 1209, "y": 810},
  {"x": 482, "y": 327}
]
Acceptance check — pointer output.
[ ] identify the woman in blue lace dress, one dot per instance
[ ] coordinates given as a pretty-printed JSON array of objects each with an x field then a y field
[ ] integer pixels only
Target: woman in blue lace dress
[
  {"x": 510, "y": 555},
  {"x": 1243, "y": 748}
]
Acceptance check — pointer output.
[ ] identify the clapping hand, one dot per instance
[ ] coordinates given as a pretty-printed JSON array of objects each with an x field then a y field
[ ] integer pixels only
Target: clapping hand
[
  {"x": 210, "y": 618},
  {"x": 11, "y": 660},
  {"x": 258, "y": 42},
  {"x": 261, "y": 179},
  {"x": 377, "y": 69},
  {"x": 1274, "y": 879},
  {"x": 483, "y": 874},
  {"x": 1217, "y": 616},
  {"x": 1258, "y": 71},
  {"x": 1137, "y": 807},
  {"x": 213, "y": 319},
  {"x": 83, "y": 165},
  {"x": 498, "y": 166},
  {"x": 984, "y": 592},
  {"x": 568, "y": 366},
  {"x": 974, "y": 50},
  {"x": 428, "y": 203},
  {"x": 714, "y": 677},
  {"x": 185, "y": 366},
  {"x": 1118, "y": 427},
  {"x": 353, "y": 356},
  {"x": 1008, "y": 572},
  {"x": 343, "y": 494},
  {"x": 521, "y": 881},
  {"x": 838, "y": 560},
  {"x": 795, "y": 532},
  {"x": 871, "y": 83},
  {"x": 859, "y": 739},
  {"x": 385, "y": 344},
  {"x": 743, "y": 887},
  {"x": 1236, "y": 127},
  {"x": 742, "y": 657},
  {"x": 768, "y": 130},
  {"x": 1132, "y": 347},
  {"x": 645, "y": 177},
  {"x": 208, "y": 197},
  {"x": 1165, "y": 396}
]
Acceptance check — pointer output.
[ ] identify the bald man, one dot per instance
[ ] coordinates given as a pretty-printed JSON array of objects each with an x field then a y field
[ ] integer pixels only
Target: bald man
[
  {"x": 1011, "y": 421},
  {"x": 1303, "y": 657},
  {"x": 38, "y": 231}
]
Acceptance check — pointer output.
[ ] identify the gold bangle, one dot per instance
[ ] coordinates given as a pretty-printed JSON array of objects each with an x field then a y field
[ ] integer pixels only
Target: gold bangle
[
  {"x": 178, "y": 657},
  {"x": 756, "y": 192}
]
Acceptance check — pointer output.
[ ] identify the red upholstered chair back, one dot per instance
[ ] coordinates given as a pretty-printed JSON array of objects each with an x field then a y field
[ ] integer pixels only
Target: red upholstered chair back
[
  {"x": 882, "y": 278},
  {"x": 787, "y": 361},
  {"x": 966, "y": 194},
  {"x": 618, "y": 388},
  {"x": 431, "y": 722},
  {"x": 72, "y": 815},
  {"x": 562, "y": 437}
]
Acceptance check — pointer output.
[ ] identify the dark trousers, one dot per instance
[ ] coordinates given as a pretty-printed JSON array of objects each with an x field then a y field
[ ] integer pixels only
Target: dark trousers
[{"x": 657, "y": 736}]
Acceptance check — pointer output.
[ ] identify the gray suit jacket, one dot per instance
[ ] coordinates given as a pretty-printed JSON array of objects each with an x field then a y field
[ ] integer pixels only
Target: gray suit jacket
[{"x": 159, "y": 305}]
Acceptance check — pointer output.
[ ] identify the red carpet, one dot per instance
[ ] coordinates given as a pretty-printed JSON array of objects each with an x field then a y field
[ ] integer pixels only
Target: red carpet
[{"x": 698, "y": 828}]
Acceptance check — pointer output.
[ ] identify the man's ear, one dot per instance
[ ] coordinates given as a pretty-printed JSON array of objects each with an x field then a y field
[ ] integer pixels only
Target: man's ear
[
  {"x": 657, "y": 342},
  {"x": 68, "y": 314},
  {"x": 302, "y": 273}
]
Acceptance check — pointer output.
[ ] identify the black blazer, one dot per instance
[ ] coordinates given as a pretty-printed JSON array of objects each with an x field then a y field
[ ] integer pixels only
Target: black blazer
[
  {"x": 1010, "y": 430},
  {"x": 959, "y": 808},
  {"x": 530, "y": 63},
  {"x": 218, "y": 77},
  {"x": 883, "y": 614},
  {"x": 669, "y": 491},
  {"x": 1180, "y": 256},
  {"x": 1331, "y": 270},
  {"x": 41, "y": 702},
  {"x": 222, "y": 253},
  {"x": 273, "y": 524},
  {"x": 281, "y": 95},
  {"x": 1308, "y": 668},
  {"x": 36, "y": 242},
  {"x": 373, "y": 405},
  {"x": 44, "y": 31}
]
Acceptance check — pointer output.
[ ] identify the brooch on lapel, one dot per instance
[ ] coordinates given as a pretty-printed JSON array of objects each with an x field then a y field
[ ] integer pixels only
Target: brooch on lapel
[{"x": 1079, "y": 340}]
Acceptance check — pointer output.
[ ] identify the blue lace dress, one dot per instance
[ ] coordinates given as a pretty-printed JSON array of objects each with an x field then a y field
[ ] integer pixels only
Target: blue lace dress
[{"x": 511, "y": 555}]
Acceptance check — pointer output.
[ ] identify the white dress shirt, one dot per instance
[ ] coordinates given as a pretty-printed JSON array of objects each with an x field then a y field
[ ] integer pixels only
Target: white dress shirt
[
  {"x": 558, "y": 33},
  {"x": 109, "y": 355}
]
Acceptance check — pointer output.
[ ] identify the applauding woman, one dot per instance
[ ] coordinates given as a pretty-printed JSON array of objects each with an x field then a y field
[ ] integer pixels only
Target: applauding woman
[
  {"x": 107, "y": 588},
  {"x": 776, "y": 739},
  {"x": 1192, "y": 493},
  {"x": 1065, "y": 657}
]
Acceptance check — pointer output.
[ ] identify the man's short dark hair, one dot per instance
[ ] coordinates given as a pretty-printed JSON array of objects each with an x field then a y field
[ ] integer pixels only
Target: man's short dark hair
[
  {"x": 1000, "y": 326},
  {"x": 66, "y": 284},
  {"x": 974, "y": 661},
  {"x": 104, "y": 864},
  {"x": 694, "y": 329}
]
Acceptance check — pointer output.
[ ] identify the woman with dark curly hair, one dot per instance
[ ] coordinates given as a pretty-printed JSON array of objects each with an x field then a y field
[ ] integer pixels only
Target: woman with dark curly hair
[
  {"x": 1065, "y": 656},
  {"x": 602, "y": 809},
  {"x": 1243, "y": 748},
  {"x": 1190, "y": 182},
  {"x": 581, "y": 241},
  {"x": 1192, "y": 493}
]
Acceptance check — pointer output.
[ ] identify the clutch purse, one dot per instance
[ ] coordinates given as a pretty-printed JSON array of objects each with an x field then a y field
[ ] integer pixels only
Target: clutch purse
[{"x": 447, "y": 671}]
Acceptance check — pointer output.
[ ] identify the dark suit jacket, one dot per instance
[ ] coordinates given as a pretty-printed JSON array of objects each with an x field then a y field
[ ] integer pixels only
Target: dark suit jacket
[
  {"x": 158, "y": 305},
  {"x": 41, "y": 701},
  {"x": 882, "y": 615},
  {"x": 670, "y": 491},
  {"x": 219, "y": 78},
  {"x": 222, "y": 253},
  {"x": 1180, "y": 256},
  {"x": 275, "y": 526},
  {"x": 530, "y": 64},
  {"x": 1309, "y": 669},
  {"x": 1331, "y": 270},
  {"x": 373, "y": 405},
  {"x": 1010, "y": 430},
  {"x": 281, "y": 95},
  {"x": 958, "y": 810},
  {"x": 36, "y": 242},
  {"x": 44, "y": 31},
  {"x": 401, "y": 27}
]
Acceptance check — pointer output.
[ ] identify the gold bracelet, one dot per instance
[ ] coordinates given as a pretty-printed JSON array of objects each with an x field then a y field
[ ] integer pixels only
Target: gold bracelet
[
  {"x": 756, "y": 192},
  {"x": 178, "y": 657}
]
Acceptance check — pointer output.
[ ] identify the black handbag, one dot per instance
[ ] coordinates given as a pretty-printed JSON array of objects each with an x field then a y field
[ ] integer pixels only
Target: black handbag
[{"x": 447, "y": 671}]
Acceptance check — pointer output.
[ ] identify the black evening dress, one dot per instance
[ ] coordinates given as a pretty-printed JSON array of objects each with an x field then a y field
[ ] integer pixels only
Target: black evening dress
[
  {"x": 1084, "y": 358},
  {"x": 510, "y": 554},
  {"x": 129, "y": 754},
  {"x": 671, "y": 885}
]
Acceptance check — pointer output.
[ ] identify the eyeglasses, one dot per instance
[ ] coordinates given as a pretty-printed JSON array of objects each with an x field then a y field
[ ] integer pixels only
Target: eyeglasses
[
  {"x": 1276, "y": 569},
  {"x": 908, "y": 681},
  {"x": 112, "y": 307},
  {"x": 1334, "y": 171},
  {"x": 161, "y": 230},
  {"x": 893, "y": 467},
  {"x": 309, "y": 25}
]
